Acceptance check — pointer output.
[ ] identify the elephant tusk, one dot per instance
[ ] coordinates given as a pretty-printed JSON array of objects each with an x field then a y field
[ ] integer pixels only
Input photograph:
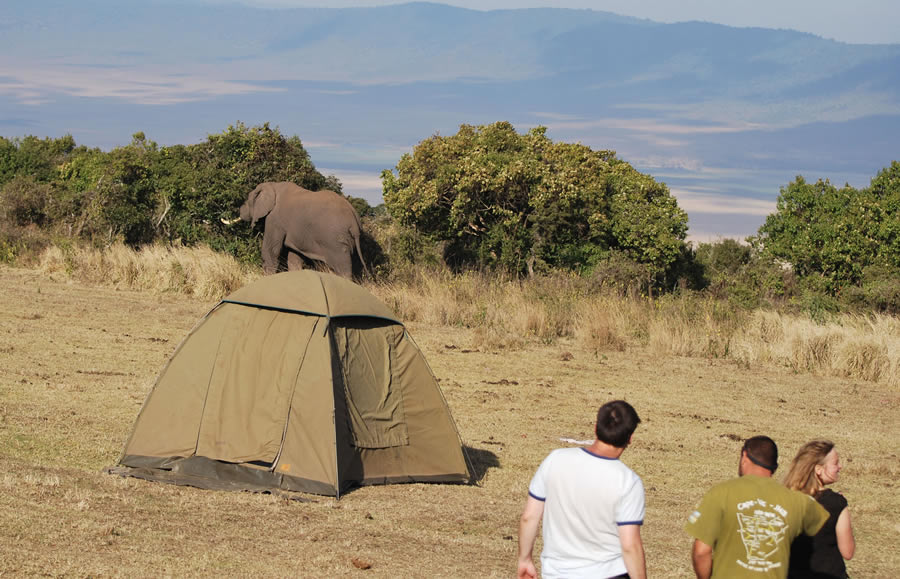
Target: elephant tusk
[{"x": 230, "y": 221}]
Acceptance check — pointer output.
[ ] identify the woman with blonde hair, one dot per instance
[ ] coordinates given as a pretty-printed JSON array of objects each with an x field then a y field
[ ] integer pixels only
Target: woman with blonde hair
[{"x": 822, "y": 556}]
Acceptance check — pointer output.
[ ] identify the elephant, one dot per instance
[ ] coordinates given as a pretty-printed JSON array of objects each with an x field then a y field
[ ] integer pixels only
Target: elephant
[{"x": 319, "y": 225}]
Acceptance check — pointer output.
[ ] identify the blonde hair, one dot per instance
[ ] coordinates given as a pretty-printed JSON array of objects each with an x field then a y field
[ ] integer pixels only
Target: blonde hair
[{"x": 802, "y": 475}]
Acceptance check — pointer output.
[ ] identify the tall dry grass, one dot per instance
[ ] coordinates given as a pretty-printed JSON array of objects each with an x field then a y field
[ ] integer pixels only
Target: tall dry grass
[
  {"x": 196, "y": 271},
  {"x": 851, "y": 346},
  {"x": 509, "y": 313}
]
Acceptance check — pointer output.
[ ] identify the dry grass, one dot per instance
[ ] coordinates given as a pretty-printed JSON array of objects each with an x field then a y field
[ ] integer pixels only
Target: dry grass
[
  {"x": 196, "y": 271},
  {"x": 77, "y": 359},
  {"x": 509, "y": 314}
]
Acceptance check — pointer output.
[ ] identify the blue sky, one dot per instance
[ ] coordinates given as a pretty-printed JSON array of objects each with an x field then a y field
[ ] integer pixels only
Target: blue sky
[{"x": 856, "y": 21}]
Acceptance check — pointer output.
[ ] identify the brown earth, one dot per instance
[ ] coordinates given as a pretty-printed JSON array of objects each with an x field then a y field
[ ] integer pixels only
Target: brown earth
[{"x": 76, "y": 362}]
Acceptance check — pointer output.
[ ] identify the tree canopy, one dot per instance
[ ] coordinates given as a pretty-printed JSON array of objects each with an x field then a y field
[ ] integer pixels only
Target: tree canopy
[
  {"x": 834, "y": 233},
  {"x": 141, "y": 192},
  {"x": 524, "y": 203},
  {"x": 486, "y": 197}
]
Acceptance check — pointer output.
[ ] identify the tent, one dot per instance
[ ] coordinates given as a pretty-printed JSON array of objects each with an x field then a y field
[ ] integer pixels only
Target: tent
[{"x": 300, "y": 381}]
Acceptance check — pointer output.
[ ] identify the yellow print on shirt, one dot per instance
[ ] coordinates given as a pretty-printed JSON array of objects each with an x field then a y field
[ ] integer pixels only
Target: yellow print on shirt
[{"x": 761, "y": 533}]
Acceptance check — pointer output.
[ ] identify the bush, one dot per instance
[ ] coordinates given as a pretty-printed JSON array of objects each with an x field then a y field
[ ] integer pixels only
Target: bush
[
  {"x": 525, "y": 204},
  {"x": 394, "y": 252},
  {"x": 22, "y": 246},
  {"x": 879, "y": 290},
  {"x": 23, "y": 201},
  {"x": 620, "y": 275}
]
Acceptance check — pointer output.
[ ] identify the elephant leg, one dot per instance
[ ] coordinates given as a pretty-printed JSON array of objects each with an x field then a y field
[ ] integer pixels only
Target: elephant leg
[
  {"x": 342, "y": 262},
  {"x": 294, "y": 261},
  {"x": 272, "y": 243}
]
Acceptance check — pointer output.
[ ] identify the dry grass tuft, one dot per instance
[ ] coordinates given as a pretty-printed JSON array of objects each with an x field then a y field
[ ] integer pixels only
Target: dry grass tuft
[
  {"x": 863, "y": 358},
  {"x": 813, "y": 351},
  {"x": 196, "y": 271},
  {"x": 598, "y": 327}
]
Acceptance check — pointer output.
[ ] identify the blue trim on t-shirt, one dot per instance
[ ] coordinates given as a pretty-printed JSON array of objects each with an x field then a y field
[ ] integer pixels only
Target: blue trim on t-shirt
[
  {"x": 534, "y": 496},
  {"x": 641, "y": 522},
  {"x": 597, "y": 455}
]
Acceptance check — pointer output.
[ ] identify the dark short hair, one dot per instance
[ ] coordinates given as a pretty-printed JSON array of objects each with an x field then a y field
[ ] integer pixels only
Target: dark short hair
[
  {"x": 762, "y": 451},
  {"x": 616, "y": 422}
]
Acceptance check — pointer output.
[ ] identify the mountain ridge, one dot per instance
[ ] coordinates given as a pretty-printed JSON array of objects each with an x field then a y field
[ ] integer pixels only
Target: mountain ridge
[
  {"x": 725, "y": 115},
  {"x": 373, "y": 44}
]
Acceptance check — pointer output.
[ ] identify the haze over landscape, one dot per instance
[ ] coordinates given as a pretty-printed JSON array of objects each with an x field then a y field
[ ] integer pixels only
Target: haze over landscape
[{"x": 723, "y": 115}]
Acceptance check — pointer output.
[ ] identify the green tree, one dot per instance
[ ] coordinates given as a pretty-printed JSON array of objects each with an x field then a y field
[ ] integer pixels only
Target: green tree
[
  {"x": 8, "y": 160},
  {"x": 111, "y": 195},
  {"x": 77, "y": 203},
  {"x": 822, "y": 230},
  {"x": 200, "y": 184},
  {"x": 738, "y": 273},
  {"x": 129, "y": 195},
  {"x": 23, "y": 202},
  {"x": 524, "y": 203},
  {"x": 33, "y": 157},
  {"x": 884, "y": 214}
]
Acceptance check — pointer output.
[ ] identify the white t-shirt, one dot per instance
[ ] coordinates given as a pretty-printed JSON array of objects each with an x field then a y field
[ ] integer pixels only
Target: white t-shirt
[{"x": 586, "y": 498}]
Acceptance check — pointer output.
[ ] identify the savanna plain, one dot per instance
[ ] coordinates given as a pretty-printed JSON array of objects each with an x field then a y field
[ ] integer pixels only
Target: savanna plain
[{"x": 79, "y": 354}]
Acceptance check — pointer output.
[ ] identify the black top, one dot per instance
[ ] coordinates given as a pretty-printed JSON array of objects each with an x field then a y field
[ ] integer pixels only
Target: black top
[{"x": 818, "y": 557}]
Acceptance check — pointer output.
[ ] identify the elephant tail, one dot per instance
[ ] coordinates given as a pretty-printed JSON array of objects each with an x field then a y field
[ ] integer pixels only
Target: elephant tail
[{"x": 359, "y": 253}]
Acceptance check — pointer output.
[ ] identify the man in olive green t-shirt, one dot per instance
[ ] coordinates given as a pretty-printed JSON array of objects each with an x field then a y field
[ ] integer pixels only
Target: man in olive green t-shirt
[{"x": 744, "y": 527}]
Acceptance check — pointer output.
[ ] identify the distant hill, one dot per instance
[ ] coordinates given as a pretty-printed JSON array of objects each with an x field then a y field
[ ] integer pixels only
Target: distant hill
[
  {"x": 710, "y": 109},
  {"x": 424, "y": 41}
]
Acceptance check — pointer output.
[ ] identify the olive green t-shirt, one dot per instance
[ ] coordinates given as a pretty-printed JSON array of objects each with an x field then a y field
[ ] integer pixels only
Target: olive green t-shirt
[{"x": 750, "y": 522}]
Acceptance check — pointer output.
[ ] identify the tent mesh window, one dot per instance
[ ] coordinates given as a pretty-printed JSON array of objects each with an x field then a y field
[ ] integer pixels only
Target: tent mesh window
[{"x": 374, "y": 400}]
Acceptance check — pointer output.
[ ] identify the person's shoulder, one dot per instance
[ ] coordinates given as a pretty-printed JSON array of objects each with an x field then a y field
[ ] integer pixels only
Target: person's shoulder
[
  {"x": 831, "y": 498},
  {"x": 561, "y": 453},
  {"x": 797, "y": 496},
  {"x": 627, "y": 477},
  {"x": 568, "y": 451},
  {"x": 807, "y": 503},
  {"x": 728, "y": 484},
  {"x": 721, "y": 488}
]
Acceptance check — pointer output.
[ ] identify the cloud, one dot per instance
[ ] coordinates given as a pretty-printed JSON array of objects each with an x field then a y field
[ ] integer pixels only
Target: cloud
[
  {"x": 697, "y": 200},
  {"x": 336, "y": 92},
  {"x": 363, "y": 184},
  {"x": 655, "y": 126},
  {"x": 658, "y": 164},
  {"x": 35, "y": 85},
  {"x": 321, "y": 145},
  {"x": 751, "y": 115},
  {"x": 554, "y": 116}
]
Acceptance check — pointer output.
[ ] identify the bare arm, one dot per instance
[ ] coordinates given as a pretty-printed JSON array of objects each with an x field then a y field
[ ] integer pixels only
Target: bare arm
[
  {"x": 633, "y": 551},
  {"x": 844, "y": 531},
  {"x": 701, "y": 556},
  {"x": 528, "y": 528}
]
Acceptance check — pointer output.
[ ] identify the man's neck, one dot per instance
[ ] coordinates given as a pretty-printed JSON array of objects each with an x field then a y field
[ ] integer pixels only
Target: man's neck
[
  {"x": 605, "y": 450},
  {"x": 755, "y": 470}
]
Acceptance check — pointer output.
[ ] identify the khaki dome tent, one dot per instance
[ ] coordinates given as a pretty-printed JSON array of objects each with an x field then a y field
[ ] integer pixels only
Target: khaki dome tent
[{"x": 300, "y": 381}]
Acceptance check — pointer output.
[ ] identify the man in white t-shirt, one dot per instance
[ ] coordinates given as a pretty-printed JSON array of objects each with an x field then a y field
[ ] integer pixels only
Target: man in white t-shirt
[{"x": 591, "y": 504}]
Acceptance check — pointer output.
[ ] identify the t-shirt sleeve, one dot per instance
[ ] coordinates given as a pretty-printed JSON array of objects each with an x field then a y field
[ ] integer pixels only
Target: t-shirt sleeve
[
  {"x": 814, "y": 517},
  {"x": 706, "y": 519},
  {"x": 833, "y": 502},
  {"x": 538, "y": 486},
  {"x": 630, "y": 510}
]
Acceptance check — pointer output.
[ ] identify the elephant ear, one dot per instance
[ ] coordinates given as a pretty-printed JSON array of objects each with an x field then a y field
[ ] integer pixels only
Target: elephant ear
[{"x": 264, "y": 203}]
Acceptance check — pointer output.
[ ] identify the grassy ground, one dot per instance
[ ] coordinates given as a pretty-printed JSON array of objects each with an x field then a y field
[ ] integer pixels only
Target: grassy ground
[{"x": 77, "y": 360}]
